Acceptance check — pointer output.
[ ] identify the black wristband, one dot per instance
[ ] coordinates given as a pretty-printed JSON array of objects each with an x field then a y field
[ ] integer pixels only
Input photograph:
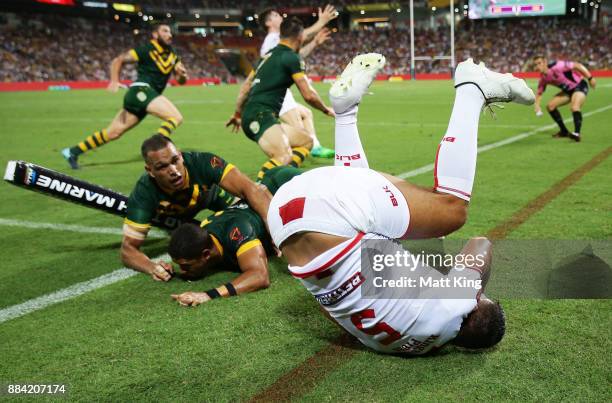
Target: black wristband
[
  {"x": 231, "y": 289},
  {"x": 213, "y": 293}
]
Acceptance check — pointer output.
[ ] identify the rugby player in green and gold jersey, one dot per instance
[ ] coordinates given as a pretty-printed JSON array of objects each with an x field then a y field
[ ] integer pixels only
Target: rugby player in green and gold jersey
[
  {"x": 261, "y": 97},
  {"x": 157, "y": 61},
  {"x": 234, "y": 239},
  {"x": 177, "y": 186}
]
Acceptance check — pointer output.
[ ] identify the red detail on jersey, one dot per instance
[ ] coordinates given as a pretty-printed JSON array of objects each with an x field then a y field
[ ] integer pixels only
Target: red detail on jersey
[
  {"x": 380, "y": 327},
  {"x": 391, "y": 196},
  {"x": 449, "y": 139},
  {"x": 333, "y": 260},
  {"x": 216, "y": 162},
  {"x": 292, "y": 210},
  {"x": 236, "y": 235},
  {"x": 347, "y": 164},
  {"x": 436, "y": 167},
  {"x": 453, "y": 190}
]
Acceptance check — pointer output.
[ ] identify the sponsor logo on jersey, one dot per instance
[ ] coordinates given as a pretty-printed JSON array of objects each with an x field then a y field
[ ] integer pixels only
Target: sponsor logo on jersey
[
  {"x": 416, "y": 346},
  {"x": 391, "y": 196},
  {"x": 335, "y": 296},
  {"x": 254, "y": 127},
  {"x": 216, "y": 162},
  {"x": 236, "y": 235}
]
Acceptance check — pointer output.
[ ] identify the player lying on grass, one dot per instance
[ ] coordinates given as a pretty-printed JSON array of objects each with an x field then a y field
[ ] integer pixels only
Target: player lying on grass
[
  {"x": 156, "y": 62},
  {"x": 320, "y": 229},
  {"x": 233, "y": 239},
  {"x": 572, "y": 78},
  {"x": 292, "y": 112},
  {"x": 177, "y": 186},
  {"x": 261, "y": 98}
]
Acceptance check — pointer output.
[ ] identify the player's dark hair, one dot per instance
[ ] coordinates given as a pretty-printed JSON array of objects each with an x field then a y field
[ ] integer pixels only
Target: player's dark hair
[
  {"x": 154, "y": 143},
  {"x": 188, "y": 241},
  {"x": 155, "y": 27},
  {"x": 291, "y": 27},
  {"x": 264, "y": 15},
  {"x": 483, "y": 328}
]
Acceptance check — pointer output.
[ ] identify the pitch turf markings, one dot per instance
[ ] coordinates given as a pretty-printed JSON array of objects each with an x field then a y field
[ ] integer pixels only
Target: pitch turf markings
[
  {"x": 305, "y": 376},
  {"x": 15, "y": 311},
  {"x": 71, "y": 228},
  {"x": 502, "y": 230},
  {"x": 501, "y": 143}
]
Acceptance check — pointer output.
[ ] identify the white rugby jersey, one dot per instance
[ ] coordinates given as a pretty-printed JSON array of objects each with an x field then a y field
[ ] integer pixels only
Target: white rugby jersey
[
  {"x": 270, "y": 41},
  {"x": 409, "y": 326}
]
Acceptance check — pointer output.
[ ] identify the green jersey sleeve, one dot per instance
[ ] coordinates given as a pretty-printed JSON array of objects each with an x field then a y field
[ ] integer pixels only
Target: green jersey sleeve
[
  {"x": 242, "y": 237},
  {"x": 210, "y": 167},
  {"x": 141, "y": 208},
  {"x": 140, "y": 52},
  {"x": 293, "y": 64}
]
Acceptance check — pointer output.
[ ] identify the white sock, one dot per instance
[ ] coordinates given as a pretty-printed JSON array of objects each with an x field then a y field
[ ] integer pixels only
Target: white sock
[
  {"x": 349, "y": 151},
  {"x": 455, "y": 165}
]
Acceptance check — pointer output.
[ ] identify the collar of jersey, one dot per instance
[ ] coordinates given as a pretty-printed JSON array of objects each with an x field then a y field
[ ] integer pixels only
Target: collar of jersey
[
  {"x": 157, "y": 46},
  {"x": 285, "y": 45},
  {"x": 217, "y": 243}
]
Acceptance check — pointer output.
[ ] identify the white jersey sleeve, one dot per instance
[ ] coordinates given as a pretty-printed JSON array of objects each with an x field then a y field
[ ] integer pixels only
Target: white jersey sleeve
[{"x": 270, "y": 42}]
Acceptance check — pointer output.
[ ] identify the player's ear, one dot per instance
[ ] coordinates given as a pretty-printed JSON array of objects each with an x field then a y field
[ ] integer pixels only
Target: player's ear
[
  {"x": 148, "y": 169},
  {"x": 206, "y": 254}
]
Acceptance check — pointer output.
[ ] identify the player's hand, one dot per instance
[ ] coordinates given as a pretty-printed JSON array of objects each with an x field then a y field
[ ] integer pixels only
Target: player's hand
[
  {"x": 592, "y": 82},
  {"x": 234, "y": 122},
  {"x": 191, "y": 298},
  {"x": 329, "y": 112},
  {"x": 327, "y": 14},
  {"x": 322, "y": 36},
  {"x": 162, "y": 271},
  {"x": 113, "y": 86},
  {"x": 539, "y": 113}
]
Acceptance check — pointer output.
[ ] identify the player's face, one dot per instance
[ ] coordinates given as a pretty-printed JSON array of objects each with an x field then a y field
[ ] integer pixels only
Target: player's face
[
  {"x": 163, "y": 35},
  {"x": 540, "y": 65},
  {"x": 167, "y": 168},
  {"x": 274, "y": 20},
  {"x": 192, "y": 267}
]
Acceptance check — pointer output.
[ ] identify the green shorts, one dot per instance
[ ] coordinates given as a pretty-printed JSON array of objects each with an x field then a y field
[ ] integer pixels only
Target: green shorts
[
  {"x": 276, "y": 177},
  {"x": 137, "y": 98},
  {"x": 256, "y": 119}
]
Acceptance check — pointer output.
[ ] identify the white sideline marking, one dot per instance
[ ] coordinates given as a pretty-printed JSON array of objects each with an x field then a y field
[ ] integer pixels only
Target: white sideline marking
[
  {"x": 72, "y": 228},
  {"x": 15, "y": 311},
  {"x": 509, "y": 140},
  {"x": 44, "y": 301}
]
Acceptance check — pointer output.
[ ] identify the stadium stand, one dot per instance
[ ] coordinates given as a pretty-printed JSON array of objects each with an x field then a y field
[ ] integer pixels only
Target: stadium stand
[{"x": 36, "y": 50}]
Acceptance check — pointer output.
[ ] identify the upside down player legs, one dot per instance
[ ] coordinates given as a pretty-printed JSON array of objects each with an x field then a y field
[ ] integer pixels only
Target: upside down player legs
[{"x": 319, "y": 230}]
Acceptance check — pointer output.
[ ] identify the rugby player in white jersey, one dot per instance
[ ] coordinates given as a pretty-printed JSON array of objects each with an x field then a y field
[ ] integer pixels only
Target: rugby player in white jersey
[
  {"x": 292, "y": 112},
  {"x": 320, "y": 229}
]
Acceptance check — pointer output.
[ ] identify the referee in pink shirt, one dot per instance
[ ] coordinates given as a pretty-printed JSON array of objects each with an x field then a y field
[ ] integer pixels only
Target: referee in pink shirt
[{"x": 571, "y": 78}]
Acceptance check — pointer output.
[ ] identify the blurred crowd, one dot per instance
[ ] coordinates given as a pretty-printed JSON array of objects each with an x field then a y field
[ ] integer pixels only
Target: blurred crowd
[
  {"x": 51, "y": 49},
  {"x": 506, "y": 46}
]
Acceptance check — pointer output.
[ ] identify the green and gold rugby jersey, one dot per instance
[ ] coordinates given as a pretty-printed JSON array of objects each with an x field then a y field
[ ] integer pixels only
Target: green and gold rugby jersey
[
  {"x": 237, "y": 230},
  {"x": 155, "y": 64},
  {"x": 201, "y": 191},
  {"x": 274, "y": 75}
]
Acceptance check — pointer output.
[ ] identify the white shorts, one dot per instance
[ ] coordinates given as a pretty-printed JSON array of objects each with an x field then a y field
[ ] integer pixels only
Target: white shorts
[
  {"x": 339, "y": 201},
  {"x": 288, "y": 103}
]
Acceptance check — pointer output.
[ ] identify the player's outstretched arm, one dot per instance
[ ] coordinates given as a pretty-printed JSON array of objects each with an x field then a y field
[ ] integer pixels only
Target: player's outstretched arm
[
  {"x": 319, "y": 39},
  {"x": 115, "y": 68},
  {"x": 325, "y": 16},
  {"x": 584, "y": 72},
  {"x": 311, "y": 96},
  {"x": 234, "y": 121},
  {"x": 258, "y": 197},
  {"x": 134, "y": 258},
  {"x": 254, "y": 266},
  {"x": 536, "y": 105}
]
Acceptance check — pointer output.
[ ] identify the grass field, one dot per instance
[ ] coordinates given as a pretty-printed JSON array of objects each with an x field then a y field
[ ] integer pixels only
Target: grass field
[{"x": 129, "y": 341}]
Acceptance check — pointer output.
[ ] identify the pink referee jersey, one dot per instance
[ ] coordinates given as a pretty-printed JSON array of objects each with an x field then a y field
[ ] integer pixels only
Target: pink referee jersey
[{"x": 560, "y": 74}]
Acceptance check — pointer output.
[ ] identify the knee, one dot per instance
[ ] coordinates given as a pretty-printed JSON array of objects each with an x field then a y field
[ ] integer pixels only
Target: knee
[
  {"x": 284, "y": 158},
  {"x": 306, "y": 113},
  {"x": 307, "y": 143},
  {"x": 575, "y": 108},
  {"x": 114, "y": 133},
  {"x": 550, "y": 107},
  {"x": 179, "y": 119}
]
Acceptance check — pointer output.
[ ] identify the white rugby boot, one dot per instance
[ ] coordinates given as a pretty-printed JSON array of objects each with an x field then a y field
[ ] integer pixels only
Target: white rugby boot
[
  {"x": 354, "y": 81},
  {"x": 495, "y": 87}
]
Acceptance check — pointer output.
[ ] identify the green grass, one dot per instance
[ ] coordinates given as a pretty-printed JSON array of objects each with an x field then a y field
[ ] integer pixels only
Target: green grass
[{"x": 129, "y": 341}]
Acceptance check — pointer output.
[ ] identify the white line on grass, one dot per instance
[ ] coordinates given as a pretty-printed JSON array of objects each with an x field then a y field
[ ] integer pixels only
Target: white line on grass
[
  {"x": 36, "y": 304},
  {"x": 497, "y": 144},
  {"x": 15, "y": 311},
  {"x": 71, "y": 228}
]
